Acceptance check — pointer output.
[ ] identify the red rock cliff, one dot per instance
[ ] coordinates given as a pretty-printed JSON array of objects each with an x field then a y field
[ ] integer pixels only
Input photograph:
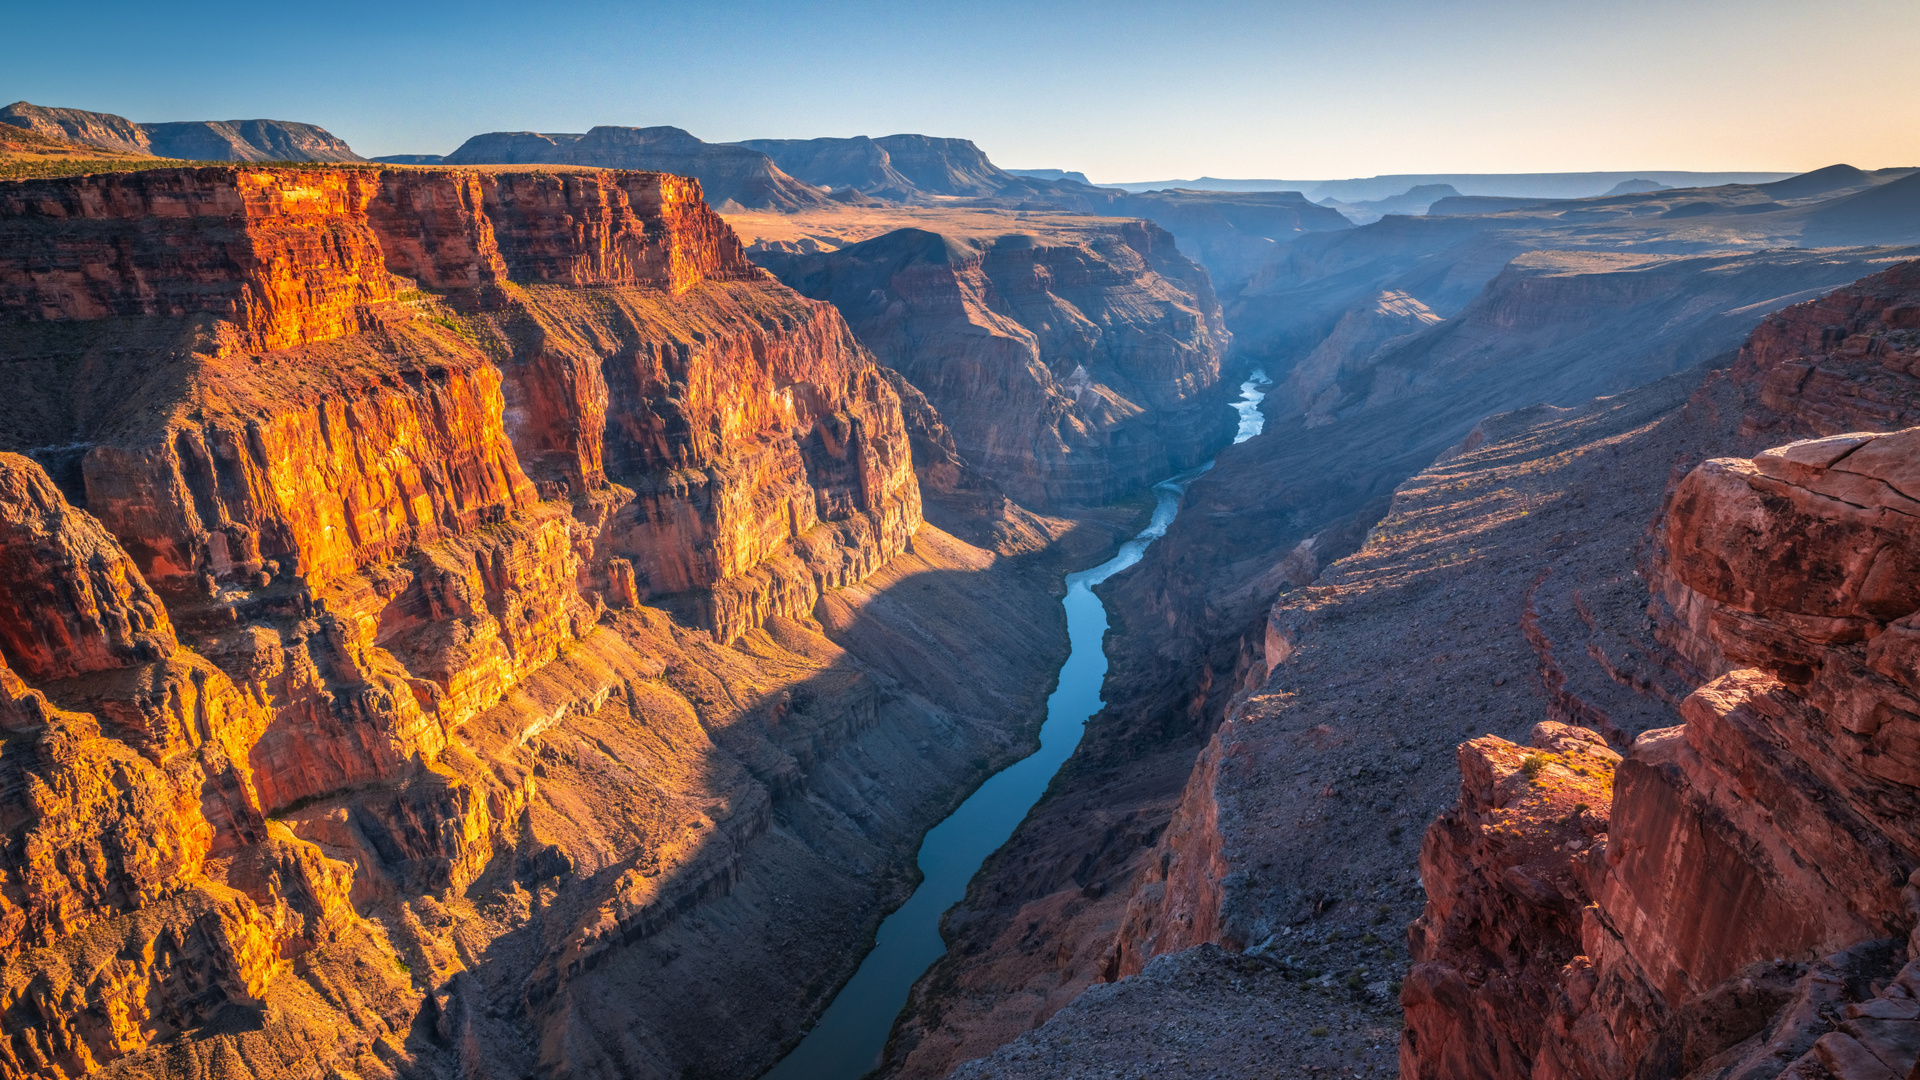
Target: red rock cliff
[
  {"x": 378, "y": 472},
  {"x": 1748, "y": 906}
]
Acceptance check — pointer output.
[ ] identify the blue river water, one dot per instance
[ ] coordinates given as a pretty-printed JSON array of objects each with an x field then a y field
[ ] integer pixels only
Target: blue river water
[{"x": 847, "y": 1041}]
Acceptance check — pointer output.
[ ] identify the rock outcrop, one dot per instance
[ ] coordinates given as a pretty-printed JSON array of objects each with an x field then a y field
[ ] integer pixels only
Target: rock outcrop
[
  {"x": 194, "y": 140},
  {"x": 1503, "y": 584},
  {"x": 1072, "y": 366},
  {"x": 432, "y": 604},
  {"x": 143, "y": 890},
  {"x": 1748, "y": 906}
]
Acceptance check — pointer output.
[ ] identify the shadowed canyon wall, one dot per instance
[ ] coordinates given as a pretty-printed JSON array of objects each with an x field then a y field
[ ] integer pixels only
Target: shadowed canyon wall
[
  {"x": 1072, "y": 363},
  {"x": 1746, "y": 910},
  {"x": 434, "y": 601},
  {"x": 1722, "y": 898}
]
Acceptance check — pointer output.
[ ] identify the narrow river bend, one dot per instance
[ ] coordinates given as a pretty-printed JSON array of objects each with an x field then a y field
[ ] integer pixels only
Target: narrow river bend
[{"x": 847, "y": 1041}]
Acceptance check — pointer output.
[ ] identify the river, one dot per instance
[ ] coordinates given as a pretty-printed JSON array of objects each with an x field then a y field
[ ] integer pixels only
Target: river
[{"x": 847, "y": 1041}]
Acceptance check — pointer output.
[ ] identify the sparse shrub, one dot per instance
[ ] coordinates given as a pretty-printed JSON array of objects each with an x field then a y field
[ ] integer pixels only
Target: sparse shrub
[
  {"x": 1319, "y": 1032},
  {"x": 1531, "y": 767}
]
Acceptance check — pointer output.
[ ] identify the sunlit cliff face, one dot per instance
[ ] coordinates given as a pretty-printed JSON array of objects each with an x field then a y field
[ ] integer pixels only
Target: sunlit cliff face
[{"x": 366, "y": 457}]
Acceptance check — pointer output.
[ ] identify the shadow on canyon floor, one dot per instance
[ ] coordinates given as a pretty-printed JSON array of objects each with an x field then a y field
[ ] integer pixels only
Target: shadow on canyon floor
[{"x": 909, "y": 689}]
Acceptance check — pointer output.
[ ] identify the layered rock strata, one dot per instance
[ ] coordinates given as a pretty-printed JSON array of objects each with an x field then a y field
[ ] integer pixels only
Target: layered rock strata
[
  {"x": 1072, "y": 365},
  {"x": 1749, "y": 901},
  {"x": 1507, "y": 583},
  {"x": 434, "y": 615}
]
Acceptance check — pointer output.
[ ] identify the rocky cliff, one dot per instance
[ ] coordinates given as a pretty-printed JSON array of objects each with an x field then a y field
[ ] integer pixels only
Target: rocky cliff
[
  {"x": 444, "y": 594},
  {"x": 1504, "y": 598},
  {"x": 1073, "y": 363},
  {"x": 194, "y": 140},
  {"x": 1746, "y": 909}
]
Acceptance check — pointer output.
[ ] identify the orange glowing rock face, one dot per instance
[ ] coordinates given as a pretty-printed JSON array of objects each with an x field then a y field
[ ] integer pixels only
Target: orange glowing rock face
[
  {"x": 364, "y": 458},
  {"x": 285, "y": 257},
  {"x": 73, "y": 601}
]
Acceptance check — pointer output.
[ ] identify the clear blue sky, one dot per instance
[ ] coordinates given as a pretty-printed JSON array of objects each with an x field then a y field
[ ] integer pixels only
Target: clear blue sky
[{"x": 1123, "y": 90}]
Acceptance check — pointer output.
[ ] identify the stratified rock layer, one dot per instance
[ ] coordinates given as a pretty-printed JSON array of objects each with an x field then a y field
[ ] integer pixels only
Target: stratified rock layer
[
  {"x": 1749, "y": 903},
  {"x": 432, "y": 601},
  {"x": 1072, "y": 366}
]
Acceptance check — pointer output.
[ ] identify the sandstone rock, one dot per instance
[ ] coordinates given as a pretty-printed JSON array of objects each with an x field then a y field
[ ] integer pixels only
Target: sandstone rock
[
  {"x": 287, "y": 258},
  {"x": 140, "y": 889},
  {"x": 74, "y": 602},
  {"x": 1775, "y": 824},
  {"x": 1502, "y": 870},
  {"x": 372, "y": 752},
  {"x": 1843, "y": 362}
]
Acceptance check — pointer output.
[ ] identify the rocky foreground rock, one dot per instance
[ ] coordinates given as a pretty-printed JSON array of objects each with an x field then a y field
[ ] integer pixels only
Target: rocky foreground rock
[
  {"x": 1747, "y": 911},
  {"x": 1678, "y": 843},
  {"x": 459, "y": 623}
]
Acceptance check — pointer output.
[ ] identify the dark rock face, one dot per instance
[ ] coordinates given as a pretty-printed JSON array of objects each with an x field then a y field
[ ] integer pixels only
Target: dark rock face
[
  {"x": 197, "y": 140},
  {"x": 729, "y": 173},
  {"x": 1071, "y": 366}
]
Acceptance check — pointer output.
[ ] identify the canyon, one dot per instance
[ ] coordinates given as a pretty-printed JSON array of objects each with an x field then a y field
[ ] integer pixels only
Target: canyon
[
  {"x": 518, "y": 613},
  {"x": 1674, "y": 845},
  {"x": 459, "y": 621}
]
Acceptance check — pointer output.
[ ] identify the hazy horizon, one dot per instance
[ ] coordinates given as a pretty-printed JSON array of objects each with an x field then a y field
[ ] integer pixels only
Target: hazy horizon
[{"x": 1125, "y": 92}]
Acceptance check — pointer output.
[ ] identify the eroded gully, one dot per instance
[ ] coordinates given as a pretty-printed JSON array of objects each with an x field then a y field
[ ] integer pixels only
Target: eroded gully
[{"x": 847, "y": 1041}]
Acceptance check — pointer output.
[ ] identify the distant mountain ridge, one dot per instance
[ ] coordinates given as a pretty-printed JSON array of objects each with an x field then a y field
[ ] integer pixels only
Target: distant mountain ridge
[
  {"x": 728, "y": 172},
  {"x": 193, "y": 140},
  {"x": 1054, "y": 174},
  {"x": 1571, "y": 185},
  {"x": 1414, "y": 200},
  {"x": 910, "y": 168}
]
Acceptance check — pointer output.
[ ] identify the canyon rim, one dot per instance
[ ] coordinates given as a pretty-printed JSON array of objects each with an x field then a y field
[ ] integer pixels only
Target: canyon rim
[{"x": 555, "y": 569}]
